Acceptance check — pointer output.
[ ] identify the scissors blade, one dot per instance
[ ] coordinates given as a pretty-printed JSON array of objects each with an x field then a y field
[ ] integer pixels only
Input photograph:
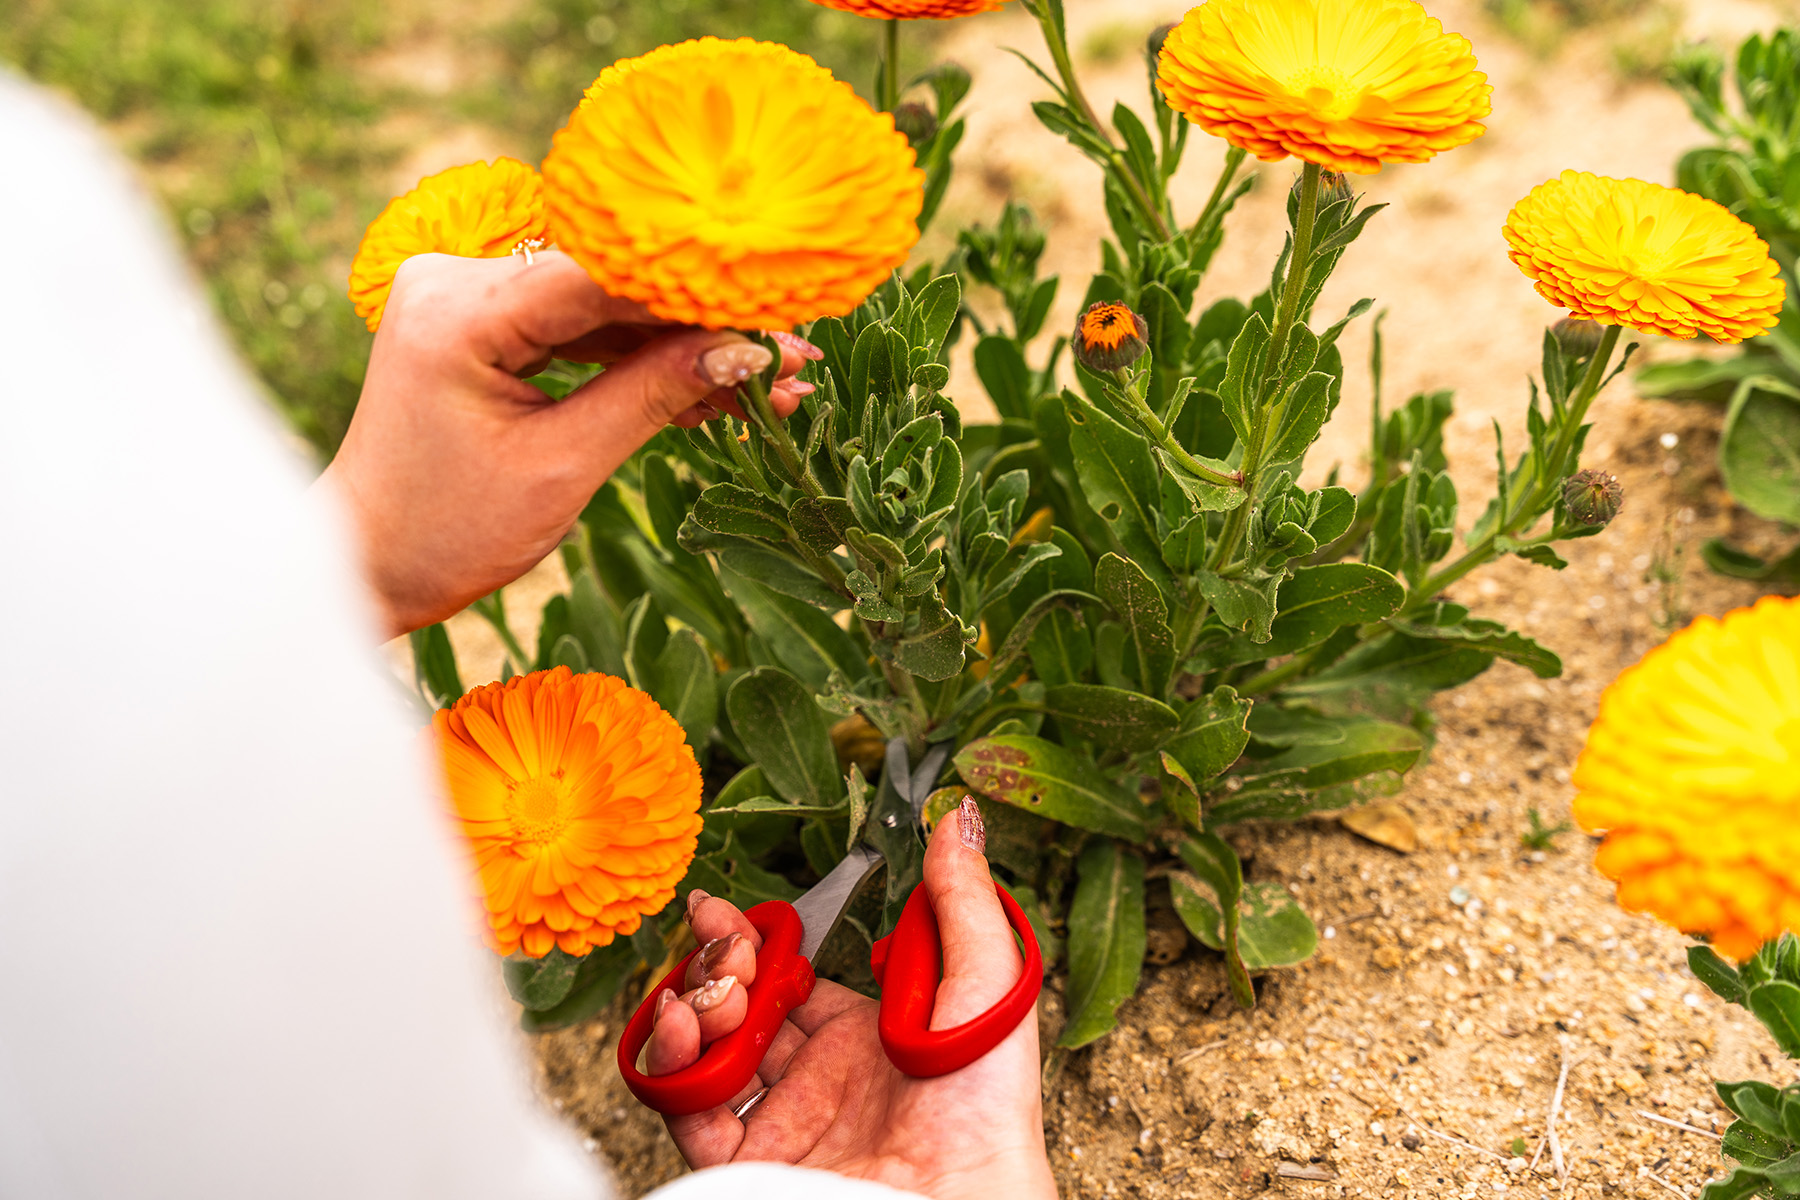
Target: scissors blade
[
  {"x": 824, "y": 903},
  {"x": 924, "y": 779}
]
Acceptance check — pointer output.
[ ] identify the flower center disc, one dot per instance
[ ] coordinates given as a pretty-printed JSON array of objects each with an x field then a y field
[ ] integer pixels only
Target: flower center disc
[
  {"x": 535, "y": 807},
  {"x": 1329, "y": 92}
]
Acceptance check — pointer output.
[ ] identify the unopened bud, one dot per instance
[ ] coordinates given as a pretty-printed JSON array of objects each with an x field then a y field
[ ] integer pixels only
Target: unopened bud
[
  {"x": 1110, "y": 337},
  {"x": 1593, "y": 497},
  {"x": 1158, "y": 36},
  {"x": 917, "y": 122},
  {"x": 1578, "y": 337}
]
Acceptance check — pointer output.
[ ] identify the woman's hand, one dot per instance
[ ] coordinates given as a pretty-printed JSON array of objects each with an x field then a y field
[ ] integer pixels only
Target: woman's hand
[
  {"x": 459, "y": 476},
  {"x": 834, "y": 1101}
]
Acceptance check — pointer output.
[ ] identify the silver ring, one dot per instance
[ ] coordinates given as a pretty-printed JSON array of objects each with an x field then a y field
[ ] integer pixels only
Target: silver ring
[{"x": 743, "y": 1111}]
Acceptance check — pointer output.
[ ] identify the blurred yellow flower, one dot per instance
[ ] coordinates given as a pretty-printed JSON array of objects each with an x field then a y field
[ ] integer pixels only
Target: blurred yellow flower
[
  {"x": 1692, "y": 770},
  {"x": 733, "y": 185},
  {"x": 1347, "y": 84},
  {"x": 581, "y": 800},
  {"x": 475, "y": 211},
  {"x": 912, "y": 10},
  {"x": 1654, "y": 259}
]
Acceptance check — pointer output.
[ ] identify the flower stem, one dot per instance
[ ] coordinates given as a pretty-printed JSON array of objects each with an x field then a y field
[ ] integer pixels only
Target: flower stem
[
  {"x": 754, "y": 394},
  {"x": 1131, "y": 391},
  {"x": 1298, "y": 268},
  {"x": 1527, "y": 510},
  {"x": 890, "y": 68}
]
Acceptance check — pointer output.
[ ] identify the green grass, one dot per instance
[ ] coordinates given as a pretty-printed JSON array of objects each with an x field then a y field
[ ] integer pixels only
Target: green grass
[{"x": 270, "y": 130}]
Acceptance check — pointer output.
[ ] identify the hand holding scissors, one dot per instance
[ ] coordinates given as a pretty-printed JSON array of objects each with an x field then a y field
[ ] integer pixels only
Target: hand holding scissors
[{"x": 829, "y": 1097}]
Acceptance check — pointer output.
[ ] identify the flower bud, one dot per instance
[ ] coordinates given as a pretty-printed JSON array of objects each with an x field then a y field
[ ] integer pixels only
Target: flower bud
[
  {"x": 1577, "y": 336},
  {"x": 1110, "y": 337},
  {"x": 916, "y": 121},
  {"x": 1593, "y": 497},
  {"x": 1153, "y": 46}
]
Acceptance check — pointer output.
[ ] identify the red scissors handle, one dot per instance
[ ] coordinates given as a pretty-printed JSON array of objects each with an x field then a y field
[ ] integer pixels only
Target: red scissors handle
[
  {"x": 908, "y": 964},
  {"x": 783, "y": 982}
]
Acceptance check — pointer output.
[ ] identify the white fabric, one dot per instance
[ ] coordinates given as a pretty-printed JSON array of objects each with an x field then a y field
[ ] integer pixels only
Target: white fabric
[{"x": 236, "y": 952}]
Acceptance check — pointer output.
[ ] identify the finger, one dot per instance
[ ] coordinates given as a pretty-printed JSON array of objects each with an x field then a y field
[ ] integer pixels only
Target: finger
[
  {"x": 731, "y": 955},
  {"x": 827, "y": 1001},
  {"x": 712, "y": 918},
  {"x": 719, "y": 1005},
  {"x": 633, "y": 399},
  {"x": 783, "y": 1046},
  {"x": 710, "y": 1138},
  {"x": 981, "y": 963},
  {"x": 610, "y": 343},
  {"x": 674, "y": 1036}
]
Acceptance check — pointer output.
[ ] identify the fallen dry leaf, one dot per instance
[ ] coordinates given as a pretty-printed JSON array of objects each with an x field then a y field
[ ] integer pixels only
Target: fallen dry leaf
[{"x": 1385, "y": 823}]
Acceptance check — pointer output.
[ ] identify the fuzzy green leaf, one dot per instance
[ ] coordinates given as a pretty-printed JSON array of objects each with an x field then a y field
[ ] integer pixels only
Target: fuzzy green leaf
[
  {"x": 1051, "y": 781},
  {"x": 1118, "y": 719},
  {"x": 1777, "y": 1006},
  {"x": 1212, "y": 734},
  {"x": 1134, "y": 598},
  {"x": 1118, "y": 478},
  {"x": 775, "y": 717},
  {"x": 1106, "y": 940},
  {"x": 1759, "y": 449}
]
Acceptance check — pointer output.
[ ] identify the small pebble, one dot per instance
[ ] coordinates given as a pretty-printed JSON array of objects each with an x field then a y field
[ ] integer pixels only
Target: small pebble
[{"x": 1459, "y": 896}]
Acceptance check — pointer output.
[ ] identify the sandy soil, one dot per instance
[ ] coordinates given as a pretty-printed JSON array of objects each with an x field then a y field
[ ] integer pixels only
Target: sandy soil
[{"x": 1455, "y": 982}]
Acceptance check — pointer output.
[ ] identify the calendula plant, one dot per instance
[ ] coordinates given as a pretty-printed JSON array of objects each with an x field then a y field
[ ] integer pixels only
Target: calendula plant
[
  {"x": 1700, "y": 832},
  {"x": 1129, "y": 621},
  {"x": 1753, "y": 169}
]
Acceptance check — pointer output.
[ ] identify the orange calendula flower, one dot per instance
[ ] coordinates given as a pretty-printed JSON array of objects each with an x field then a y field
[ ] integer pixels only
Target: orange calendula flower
[
  {"x": 733, "y": 185},
  {"x": 1110, "y": 337},
  {"x": 913, "y": 10},
  {"x": 1654, "y": 259},
  {"x": 1347, "y": 84},
  {"x": 475, "y": 211},
  {"x": 581, "y": 799},
  {"x": 1692, "y": 770}
]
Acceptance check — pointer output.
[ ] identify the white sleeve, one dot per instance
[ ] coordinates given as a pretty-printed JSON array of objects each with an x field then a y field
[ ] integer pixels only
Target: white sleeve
[
  {"x": 238, "y": 939},
  {"x": 771, "y": 1181}
]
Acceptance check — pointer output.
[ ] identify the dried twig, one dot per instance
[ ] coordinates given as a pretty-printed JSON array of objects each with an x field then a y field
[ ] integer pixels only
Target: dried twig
[
  {"x": 1537, "y": 1154},
  {"x": 1678, "y": 1125},
  {"x": 1556, "y": 1154},
  {"x": 1307, "y": 1171},
  {"x": 1465, "y": 1145},
  {"x": 1678, "y": 1191},
  {"x": 1199, "y": 1050}
]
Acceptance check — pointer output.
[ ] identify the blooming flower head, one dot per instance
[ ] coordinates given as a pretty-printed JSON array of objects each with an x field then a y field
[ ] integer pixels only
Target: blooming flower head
[
  {"x": 1692, "y": 770},
  {"x": 733, "y": 184},
  {"x": 1347, "y": 84},
  {"x": 475, "y": 211},
  {"x": 1110, "y": 337},
  {"x": 581, "y": 800},
  {"x": 912, "y": 10},
  {"x": 1658, "y": 260}
]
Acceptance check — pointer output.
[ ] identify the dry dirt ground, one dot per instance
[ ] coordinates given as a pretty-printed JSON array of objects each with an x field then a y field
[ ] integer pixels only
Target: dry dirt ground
[{"x": 1424, "y": 1043}]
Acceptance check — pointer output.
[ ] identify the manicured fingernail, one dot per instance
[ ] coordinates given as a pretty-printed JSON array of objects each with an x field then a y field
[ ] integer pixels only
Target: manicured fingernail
[
  {"x": 732, "y": 363},
  {"x": 969, "y": 824},
  {"x": 695, "y": 898},
  {"x": 800, "y": 346},
  {"x": 799, "y": 387},
  {"x": 714, "y": 952},
  {"x": 662, "y": 1002},
  {"x": 705, "y": 411},
  {"x": 712, "y": 993}
]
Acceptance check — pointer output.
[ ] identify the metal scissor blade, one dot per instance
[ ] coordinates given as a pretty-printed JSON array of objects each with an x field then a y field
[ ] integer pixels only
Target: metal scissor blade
[
  {"x": 824, "y": 903},
  {"x": 924, "y": 779}
]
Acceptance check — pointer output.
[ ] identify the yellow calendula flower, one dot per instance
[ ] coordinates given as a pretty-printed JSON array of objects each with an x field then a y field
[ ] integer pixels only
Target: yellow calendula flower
[
  {"x": 1347, "y": 84},
  {"x": 1692, "y": 770},
  {"x": 479, "y": 210},
  {"x": 581, "y": 800},
  {"x": 912, "y": 10},
  {"x": 733, "y": 184},
  {"x": 1651, "y": 258}
]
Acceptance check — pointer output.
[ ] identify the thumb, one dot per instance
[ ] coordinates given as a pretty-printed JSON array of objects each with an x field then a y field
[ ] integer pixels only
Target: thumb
[
  {"x": 981, "y": 962},
  {"x": 635, "y": 397}
]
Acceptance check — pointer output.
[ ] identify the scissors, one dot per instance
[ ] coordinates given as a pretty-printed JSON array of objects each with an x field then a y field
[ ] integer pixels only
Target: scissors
[{"x": 908, "y": 965}]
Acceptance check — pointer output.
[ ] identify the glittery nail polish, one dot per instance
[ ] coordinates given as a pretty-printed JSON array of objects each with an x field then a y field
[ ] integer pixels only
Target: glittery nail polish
[{"x": 970, "y": 825}]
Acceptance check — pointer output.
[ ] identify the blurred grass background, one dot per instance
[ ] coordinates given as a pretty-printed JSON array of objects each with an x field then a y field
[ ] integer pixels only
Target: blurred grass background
[{"x": 275, "y": 130}]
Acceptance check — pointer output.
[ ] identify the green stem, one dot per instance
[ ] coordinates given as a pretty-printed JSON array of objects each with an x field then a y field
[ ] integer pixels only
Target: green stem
[
  {"x": 1234, "y": 158},
  {"x": 1121, "y": 169},
  {"x": 1131, "y": 389},
  {"x": 493, "y": 610},
  {"x": 1532, "y": 505},
  {"x": 759, "y": 408},
  {"x": 890, "y": 72},
  {"x": 1299, "y": 267}
]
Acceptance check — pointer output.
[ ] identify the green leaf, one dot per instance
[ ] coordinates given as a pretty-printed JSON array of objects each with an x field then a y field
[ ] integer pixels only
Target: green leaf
[
  {"x": 937, "y": 304},
  {"x": 1451, "y": 623},
  {"x": 1243, "y": 375},
  {"x": 1752, "y": 1147},
  {"x": 1273, "y": 930},
  {"x": 540, "y": 983},
  {"x": 594, "y": 620},
  {"x": 1212, "y": 734},
  {"x": 779, "y": 573},
  {"x": 1134, "y": 598},
  {"x": 804, "y": 640},
  {"x": 1312, "y": 605},
  {"x": 1216, "y": 882},
  {"x": 775, "y": 717},
  {"x": 434, "y": 666},
  {"x": 738, "y": 511},
  {"x": 1742, "y": 1183},
  {"x": 1407, "y": 665},
  {"x": 598, "y": 976},
  {"x": 646, "y": 633},
  {"x": 857, "y": 790},
  {"x": 1051, "y": 781},
  {"x": 1367, "y": 747},
  {"x": 687, "y": 686},
  {"x": 1106, "y": 940},
  {"x": 936, "y": 651},
  {"x": 569, "y": 652},
  {"x": 1115, "y": 718},
  {"x": 1240, "y": 603},
  {"x": 821, "y": 523},
  {"x": 1759, "y": 449},
  {"x": 1003, "y": 371},
  {"x": 1307, "y": 407},
  {"x": 1061, "y": 648},
  {"x": 1777, "y": 1006},
  {"x": 1727, "y": 559},
  {"x": 1117, "y": 477},
  {"x": 1337, "y": 512},
  {"x": 1757, "y": 1102}
]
